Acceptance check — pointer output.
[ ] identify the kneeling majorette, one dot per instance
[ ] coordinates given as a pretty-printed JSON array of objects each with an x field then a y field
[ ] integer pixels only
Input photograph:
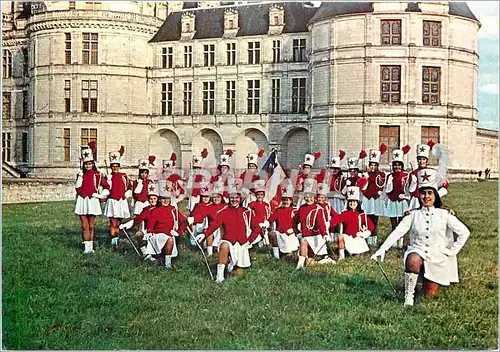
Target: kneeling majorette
[
  {"x": 234, "y": 220},
  {"x": 329, "y": 212},
  {"x": 91, "y": 186},
  {"x": 215, "y": 207},
  {"x": 199, "y": 216},
  {"x": 356, "y": 226},
  {"x": 433, "y": 247},
  {"x": 141, "y": 185}
]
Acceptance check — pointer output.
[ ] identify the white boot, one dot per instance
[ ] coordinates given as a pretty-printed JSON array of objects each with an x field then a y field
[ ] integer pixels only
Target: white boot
[
  {"x": 410, "y": 283},
  {"x": 210, "y": 251},
  {"x": 276, "y": 252},
  {"x": 168, "y": 262},
  {"x": 114, "y": 242},
  {"x": 300, "y": 263},
  {"x": 143, "y": 250},
  {"x": 88, "y": 247},
  {"x": 230, "y": 267},
  {"x": 374, "y": 242},
  {"x": 341, "y": 254},
  {"x": 400, "y": 243},
  {"x": 220, "y": 273}
]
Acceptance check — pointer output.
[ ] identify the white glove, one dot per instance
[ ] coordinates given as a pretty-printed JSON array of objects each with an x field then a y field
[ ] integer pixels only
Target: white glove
[
  {"x": 128, "y": 194},
  {"x": 379, "y": 193},
  {"x": 80, "y": 173},
  {"x": 147, "y": 236},
  {"x": 266, "y": 224},
  {"x": 96, "y": 195},
  {"x": 289, "y": 231},
  {"x": 190, "y": 220},
  {"x": 364, "y": 234},
  {"x": 139, "y": 181},
  {"x": 380, "y": 253},
  {"x": 104, "y": 193},
  {"x": 127, "y": 225},
  {"x": 174, "y": 233},
  {"x": 199, "y": 238},
  {"x": 404, "y": 196},
  {"x": 447, "y": 252},
  {"x": 327, "y": 238}
]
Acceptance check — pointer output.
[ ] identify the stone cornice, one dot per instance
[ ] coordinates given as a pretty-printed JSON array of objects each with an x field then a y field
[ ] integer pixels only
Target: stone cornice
[{"x": 14, "y": 42}]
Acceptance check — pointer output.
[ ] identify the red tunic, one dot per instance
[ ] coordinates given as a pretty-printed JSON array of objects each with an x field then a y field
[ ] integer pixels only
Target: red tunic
[
  {"x": 330, "y": 213},
  {"x": 376, "y": 182},
  {"x": 311, "y": 219},
  {"x": 299, "y": 185},
  {"x": 120, "y": 183},
  {"x": 416, "y": 193},
  {"x": 200, "y": 212},
  {"x": 234, "y": 223},
  {"x": 214, "y": 210},
  {"x": 90, "y": 183},
  {"x": 349, "y": 219},
  {"x": 144, "y": 215},
  {"x": 398, "y": 185},
  {"x": 165, "y": 219},
  {"x": 143, "y": 196},
  {"x": 283, "y": 218},
  {"x": 249, "y": 177},
  {"x": 175, "y": 182},
  {"x": 337, "y": 183},
  {"x": 260, "y": 213}
]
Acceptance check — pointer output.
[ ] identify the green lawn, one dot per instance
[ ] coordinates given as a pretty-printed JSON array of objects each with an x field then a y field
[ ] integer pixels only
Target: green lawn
[{"x": 54, "y": 297}]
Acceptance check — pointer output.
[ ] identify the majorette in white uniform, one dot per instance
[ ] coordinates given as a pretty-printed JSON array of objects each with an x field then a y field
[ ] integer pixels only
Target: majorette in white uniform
[
  {"x": 432, "y": 238},
  {"x": 140, "y": 186},
  {"x": 337, "y": 184}
]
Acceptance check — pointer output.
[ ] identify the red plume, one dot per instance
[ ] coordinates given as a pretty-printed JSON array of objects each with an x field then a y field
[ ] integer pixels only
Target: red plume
[
  {"x": 362, "y": 154},
  {"x": 406, "y": 149},
  {"x": 93, "y": 148},
  {"x": 152, "y": 159},
  {"x": 431, "y": 143},
  {"x": 341, "y": 154},
  {"x": 122, "y": 150},
  {"x": 261, "y": 153},
  {"x": 317, "y": 155},
  {"x": 173, "y": 157},
  {"x": 229, "y": 152},
  {"x": 204, "y": 153},
  {"x": 383, "y": 148},
  {"x": 321, "y": 176}
]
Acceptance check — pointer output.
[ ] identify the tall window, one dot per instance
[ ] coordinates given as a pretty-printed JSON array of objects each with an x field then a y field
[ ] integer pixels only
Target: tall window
[
  {"x": 430, "y": 133},
  {"x": 188, "y": 56},
  {"x": 209, "y": 55},
  {"x": 166, "y": 98},
  {"x": 254, "y": 52},
  {"x": 89, "y": 96},
  {"x": 87, "y": 135},
  {"x": 276, "y": 51},
  {"x": 167, "y": 57},
  {"x": 390, "y": 136},
  {"x": 390, "y": 31},
  {"x": 6, "y": 145},
  {"x": 231, "y": 54},
  {"x": 299, "y": 50},
  {"x": 67, "y": 50},
  {"x": 25, "y": 60},
  {"x": 390, "y": 84},
  {"x": 298, "y": 95},
  {"x": 275, "y": 96},
  {"x": 25, "y": 104},
  {"x": 67, "y": 95},
  {"x": 230, "y": 97},
  {"x": 208, "y": 98},
  {"x": 90, "y": 48},
  {"x": 67, "y": 144},
  {"x": 6, "y": 106},
  {"x": 7, "y": 64},
  {"x": 432, "y": 33},
  {"x": 253, "y": 96},
  {"x": 431, "y": 82},
  {"x": 188, "y": 98},
  {"x": 24, "y": 147}
]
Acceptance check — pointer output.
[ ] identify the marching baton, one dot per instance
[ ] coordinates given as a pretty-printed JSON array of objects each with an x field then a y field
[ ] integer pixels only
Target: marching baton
[
  {"x": 132, "y": 243},
  {"x": 316, "y": 254},
  {"x": 386, "y": 277},
  {"x": 202, "y": 252}
]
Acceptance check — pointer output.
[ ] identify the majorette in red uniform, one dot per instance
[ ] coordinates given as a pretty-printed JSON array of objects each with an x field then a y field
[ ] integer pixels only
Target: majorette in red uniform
[
  {"x": 199, "y": 216},
  {"x": 223, "y": 174},
  {"x": 165, "y": 223},
  {"x": 249, "y": 176},
  {"x": 91, "y": 186},
  {"x": 337, "y": 182},
  {"x": 143, "y": 218},
  {"x": 141, "y": 185},
  {"x": 283, "y": 238},
  {"x": 304, "y": 173},
  {"x": 117, "y": 207},
  {"x": 261, "y": 211},
  {"x": 174, "y": 181},
  {"x": 373, "y": 203},
  {"x": 215, "y": 207},
  {"x": 356, "y": 226},
  {"x": 354, "y": 178},
  {"x": 311, "y": 218},
  {"x": 235, "y": 224},
  {"x": 330, "y": 213},
  {"x": 197, "y": 179}
]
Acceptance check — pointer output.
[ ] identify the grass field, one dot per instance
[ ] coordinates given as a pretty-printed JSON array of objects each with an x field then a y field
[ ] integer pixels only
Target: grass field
[{"x": 54, "y": 297}]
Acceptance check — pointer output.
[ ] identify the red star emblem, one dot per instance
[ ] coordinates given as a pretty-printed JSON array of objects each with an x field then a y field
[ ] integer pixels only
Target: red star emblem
[
  {"x": 351, "y": 192},
  {"x": 143, "y": 163},
  {"x": 151, "y": 188},
  {"x": 396, "y": 155},
  {"x": 422, "y": 149},
  {"x": 113, "y": 157},
  {"x": 320, "y": 188},
  {"x": 86, "y": 155},
  {"x": 425, "y": 177},
  {"x": 374, "y": 155},
  {"x": 205, "y": 189},
  {"x": 285, "y": 190}
]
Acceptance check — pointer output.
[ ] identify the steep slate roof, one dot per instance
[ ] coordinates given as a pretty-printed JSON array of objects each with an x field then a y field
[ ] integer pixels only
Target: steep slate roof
[
  {"x": 461, "y": 9},
  {"x": 253, "y": 20}
]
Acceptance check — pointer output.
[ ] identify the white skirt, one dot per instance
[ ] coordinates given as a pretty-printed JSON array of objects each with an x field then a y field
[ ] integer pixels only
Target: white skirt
[
  {"x": 88, "y": 206},
  {"x": 355, "y": 245},
  {"x": 317, "y": 244},
  {"x": 157, "y": 241},
  {"x": 139, "y": 207},
  {"x": 338, "y": 204},
  {"x": 238, "y": 254},
  {"x": 442, "y": 269},
  {"x": 216, "y": 240},
  {"x": 414, "y": 203},
  {"x": 372, "y": 206},
  {"x": 192, "y": 202},
  {"x": 396, "y": 209},
  {"x": 117, "y": 209},
  {"x": 287, "y": 243}
]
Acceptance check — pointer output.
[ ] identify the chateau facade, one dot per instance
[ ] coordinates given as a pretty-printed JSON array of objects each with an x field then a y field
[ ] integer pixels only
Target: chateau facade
[{"x": 157, "y": 78}]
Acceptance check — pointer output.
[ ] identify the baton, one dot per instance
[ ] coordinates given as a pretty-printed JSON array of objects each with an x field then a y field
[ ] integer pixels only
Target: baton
[
  {"x": 316, "y": 254},
  {"x": 386, "y": 277},
  {"x": 132, "y": 243},
  {"x": 202, "y": 252}
]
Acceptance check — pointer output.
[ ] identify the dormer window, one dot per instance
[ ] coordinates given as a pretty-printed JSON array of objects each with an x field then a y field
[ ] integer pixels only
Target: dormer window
[
  {"x": 187, "y": 25},
  {"x": 276, "y": 19},
  {"x": 230, "y": 23}
]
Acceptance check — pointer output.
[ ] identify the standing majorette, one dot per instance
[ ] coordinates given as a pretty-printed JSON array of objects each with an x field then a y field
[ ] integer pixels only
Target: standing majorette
[
  {"x": 261, "y": 211},
  {"x": 432, "y": 241},
  {"x": 196, "y": 179},
  {"x": 249, "y": 176},
  {"x": 356, "y": 226},
  {"x": 337, "y": 183},
  {"x": 398, "y": 187},
  {"x": 284, "y": 238},
  {"x": 311, "y": 218},
  {"x": 373, "y": 203},
  {"x": 223, "y": 174},
  {"x": 140, "y": 186},
  {"x": 117, "y": 207},
  {"x": 215, "y": 207},
  {"x": 235, "y": 222},
  {"x": 174, "y": 180},
  {"x": 91, "y": 186},
  {"x": 354, "y": 178},
  {"x": 304, "y": 173}
]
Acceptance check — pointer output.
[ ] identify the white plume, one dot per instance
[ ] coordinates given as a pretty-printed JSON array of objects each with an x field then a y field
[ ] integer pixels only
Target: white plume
[{"x": 440, "y": 152}]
